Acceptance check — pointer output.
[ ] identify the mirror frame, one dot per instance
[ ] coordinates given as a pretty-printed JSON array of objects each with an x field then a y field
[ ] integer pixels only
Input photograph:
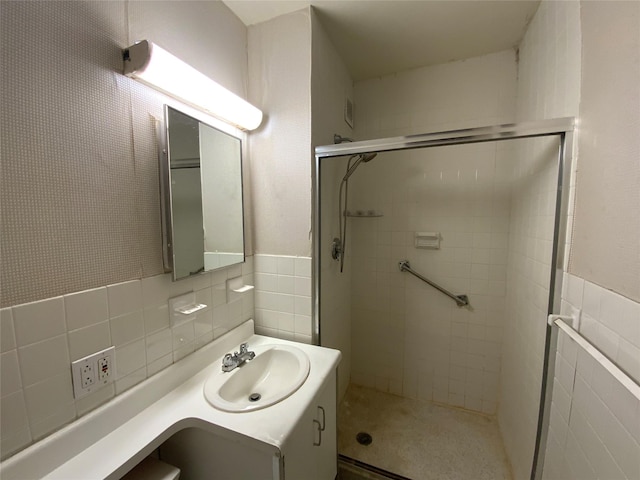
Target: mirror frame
[{"x": 166, "y": 212}]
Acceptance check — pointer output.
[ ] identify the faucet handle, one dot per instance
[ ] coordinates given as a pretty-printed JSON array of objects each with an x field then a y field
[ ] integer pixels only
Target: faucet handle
[
  {"x": 244, "y": 351},
  {"x": 227, "y": 361}
]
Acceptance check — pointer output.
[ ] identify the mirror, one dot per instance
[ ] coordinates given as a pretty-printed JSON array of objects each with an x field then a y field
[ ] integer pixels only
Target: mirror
[{"x": 203, "y": 183}]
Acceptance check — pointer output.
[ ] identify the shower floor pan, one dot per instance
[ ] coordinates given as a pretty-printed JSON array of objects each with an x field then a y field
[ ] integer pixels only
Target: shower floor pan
[{"x": 420, "y": 440}]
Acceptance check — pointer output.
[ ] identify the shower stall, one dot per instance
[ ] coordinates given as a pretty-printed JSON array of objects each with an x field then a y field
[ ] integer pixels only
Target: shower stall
[{"x": 439, "y": 294}]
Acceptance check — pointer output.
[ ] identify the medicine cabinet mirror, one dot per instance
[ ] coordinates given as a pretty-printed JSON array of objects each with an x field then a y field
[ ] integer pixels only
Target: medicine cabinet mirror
[{"x": 202, "y": 196}]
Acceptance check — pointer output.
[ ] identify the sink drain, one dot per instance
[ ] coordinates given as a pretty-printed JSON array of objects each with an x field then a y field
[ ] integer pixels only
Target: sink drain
[
  {"x": 364, "y": 438},
  {"x": 254, "y": 397}
]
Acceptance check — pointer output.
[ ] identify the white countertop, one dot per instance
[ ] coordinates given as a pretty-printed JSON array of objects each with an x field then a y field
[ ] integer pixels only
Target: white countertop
[{"x": 133, "y": 424}]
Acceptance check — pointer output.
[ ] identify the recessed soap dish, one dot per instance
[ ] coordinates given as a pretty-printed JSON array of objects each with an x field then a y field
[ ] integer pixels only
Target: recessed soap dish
[
  {"x": 429, "y": 240},
  {"x": 183, "y": 308},
  {"x": 236, "y": 287}
]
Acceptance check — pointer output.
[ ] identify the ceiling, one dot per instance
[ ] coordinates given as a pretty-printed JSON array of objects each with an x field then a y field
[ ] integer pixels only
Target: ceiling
[{"x": 379, "y": 37}]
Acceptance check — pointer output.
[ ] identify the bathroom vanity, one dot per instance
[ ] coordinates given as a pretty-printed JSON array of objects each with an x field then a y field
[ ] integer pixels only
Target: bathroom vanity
[{"x": 293, "y": 438}]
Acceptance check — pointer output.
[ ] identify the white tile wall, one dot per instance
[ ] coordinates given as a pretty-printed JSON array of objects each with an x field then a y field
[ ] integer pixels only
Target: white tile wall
[
  {"x": 407, "y": 338},
  {"x": 528, "y": 280},
  {"x": 594, "y": 430},
  {"x": 41, "y": 339},
  {"x": 283, "y": 297},
  {"x": 608, "y": 320},
  {"x": 548, "y": 87}
]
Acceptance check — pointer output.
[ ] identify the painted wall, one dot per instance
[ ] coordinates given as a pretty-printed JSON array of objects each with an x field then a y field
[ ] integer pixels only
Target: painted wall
[
  {"x": 79, "y": 202},
  {"x": 474, "y": 92},
  {"x": 280, "y": 84},
  {"x": 605, "y": 249},
  {"x": 331, "y": 84}
]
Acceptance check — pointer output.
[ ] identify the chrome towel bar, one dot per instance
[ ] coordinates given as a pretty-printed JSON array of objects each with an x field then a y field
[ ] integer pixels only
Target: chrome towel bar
[{"x": 461, "y": 300}]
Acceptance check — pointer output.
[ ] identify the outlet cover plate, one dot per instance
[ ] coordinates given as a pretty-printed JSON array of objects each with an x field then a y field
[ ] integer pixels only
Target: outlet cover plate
[{"x": 93, "y": 372}]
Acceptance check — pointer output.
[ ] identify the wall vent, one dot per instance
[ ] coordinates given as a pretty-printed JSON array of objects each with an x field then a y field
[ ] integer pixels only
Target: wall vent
[{"x": 348, "y": 111}]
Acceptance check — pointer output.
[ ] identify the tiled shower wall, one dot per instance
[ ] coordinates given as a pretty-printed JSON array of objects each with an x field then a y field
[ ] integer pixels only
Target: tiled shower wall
[
  {"x": 548, "y": 87},
  {"x": 41, "y": 339},
  {"x": 528, "y": 274},
  {"x": 408, "y": 338}
]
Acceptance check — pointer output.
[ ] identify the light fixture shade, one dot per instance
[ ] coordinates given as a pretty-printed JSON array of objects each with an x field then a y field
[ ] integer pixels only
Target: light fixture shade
[{"x": 154, "y": 66}]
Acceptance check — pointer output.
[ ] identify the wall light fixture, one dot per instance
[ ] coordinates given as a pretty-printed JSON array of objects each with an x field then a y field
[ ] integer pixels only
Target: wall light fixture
[{"x": 154, "y": 66}]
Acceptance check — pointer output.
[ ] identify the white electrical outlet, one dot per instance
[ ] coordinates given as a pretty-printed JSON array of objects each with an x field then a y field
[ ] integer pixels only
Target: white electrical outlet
[
  {"x": 93, "y": 372},
  {"x": 87, "y": 375}
]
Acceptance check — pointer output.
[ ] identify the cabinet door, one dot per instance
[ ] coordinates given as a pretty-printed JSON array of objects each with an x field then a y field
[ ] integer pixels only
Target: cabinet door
[
  {"x": 310, "y": 452},
  {"x": 325, "y": 432}
]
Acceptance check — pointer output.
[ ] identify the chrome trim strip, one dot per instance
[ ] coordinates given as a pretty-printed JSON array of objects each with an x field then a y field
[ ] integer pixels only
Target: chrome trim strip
[
  {"x": 555, "y": 296},
  {"x": 451, "y": 137},
  {"x": 165, "y": 193}
]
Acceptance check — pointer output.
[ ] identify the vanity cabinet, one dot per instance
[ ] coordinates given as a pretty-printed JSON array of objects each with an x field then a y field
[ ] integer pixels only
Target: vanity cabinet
[{"x": 310, "y": 452}]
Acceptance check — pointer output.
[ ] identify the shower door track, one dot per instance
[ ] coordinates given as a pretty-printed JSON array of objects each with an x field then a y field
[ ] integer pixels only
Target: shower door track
[{"x": 564, "y": 128}]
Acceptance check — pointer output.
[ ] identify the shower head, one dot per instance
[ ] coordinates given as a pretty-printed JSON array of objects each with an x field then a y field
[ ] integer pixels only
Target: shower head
[{"x": 360, "y": 157}]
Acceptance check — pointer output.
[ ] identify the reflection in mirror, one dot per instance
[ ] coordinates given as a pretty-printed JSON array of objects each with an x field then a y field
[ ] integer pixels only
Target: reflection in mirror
[{"x": 205, "y": 195}]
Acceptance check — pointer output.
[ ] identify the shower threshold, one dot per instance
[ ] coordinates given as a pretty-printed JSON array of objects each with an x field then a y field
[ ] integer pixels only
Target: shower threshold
[{"x": 352, "y": 469}]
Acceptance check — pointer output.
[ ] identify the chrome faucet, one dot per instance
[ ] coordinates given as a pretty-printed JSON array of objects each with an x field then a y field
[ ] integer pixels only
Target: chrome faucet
[{"x": 230, "y": 362}]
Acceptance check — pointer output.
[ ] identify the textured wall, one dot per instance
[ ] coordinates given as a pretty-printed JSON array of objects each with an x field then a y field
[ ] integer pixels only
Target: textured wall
[
  {"x": 280, "y": 84},
  {"x": 606, "y": 249},
  {"x": 79, "y": 192}
]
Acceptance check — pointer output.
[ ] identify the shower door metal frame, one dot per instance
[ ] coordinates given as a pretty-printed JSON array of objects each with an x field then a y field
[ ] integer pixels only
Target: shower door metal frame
[{"x": 564, "y": 129}]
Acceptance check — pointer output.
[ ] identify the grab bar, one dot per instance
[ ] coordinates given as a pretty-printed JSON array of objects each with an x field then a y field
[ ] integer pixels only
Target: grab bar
[
  {"x": 461, "y": 300},
  {"x": 629, "y": 383}
]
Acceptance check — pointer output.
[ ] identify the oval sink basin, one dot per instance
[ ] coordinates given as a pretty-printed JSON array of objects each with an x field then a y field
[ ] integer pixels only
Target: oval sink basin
[{"x": 275, "y": 373}]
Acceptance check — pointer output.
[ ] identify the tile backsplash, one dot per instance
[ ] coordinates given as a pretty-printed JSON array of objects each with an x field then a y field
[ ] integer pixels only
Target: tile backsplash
[
  {"x": 594, "y": 428},
  {"x": 39, "y": 340},
  {"x": 283, "y": 297},
  {"x": 608, "y": 320}
]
